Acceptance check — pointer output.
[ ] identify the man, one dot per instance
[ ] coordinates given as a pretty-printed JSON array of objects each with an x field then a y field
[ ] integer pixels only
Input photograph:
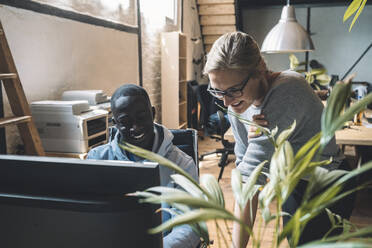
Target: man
[{"x": 133, "y": 117}]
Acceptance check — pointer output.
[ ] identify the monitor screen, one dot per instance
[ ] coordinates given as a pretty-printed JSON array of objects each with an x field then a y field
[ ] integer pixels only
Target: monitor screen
[{"x": 59, "y": 202}]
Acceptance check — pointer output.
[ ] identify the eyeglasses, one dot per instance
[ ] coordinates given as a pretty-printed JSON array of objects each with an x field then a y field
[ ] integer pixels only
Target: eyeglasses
[{"x": 233, "y": 92}]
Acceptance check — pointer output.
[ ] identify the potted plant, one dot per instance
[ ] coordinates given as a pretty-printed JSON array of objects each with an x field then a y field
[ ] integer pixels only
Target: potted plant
[{"x": 203, "y": 202}]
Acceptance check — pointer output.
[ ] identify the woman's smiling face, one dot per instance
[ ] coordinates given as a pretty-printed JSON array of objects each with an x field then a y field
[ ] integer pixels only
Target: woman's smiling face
[{"x": 231, "y": 79}]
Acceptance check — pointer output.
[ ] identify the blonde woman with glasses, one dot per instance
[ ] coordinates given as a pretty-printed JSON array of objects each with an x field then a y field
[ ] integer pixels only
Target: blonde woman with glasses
[{"x": 239, "y": 76}]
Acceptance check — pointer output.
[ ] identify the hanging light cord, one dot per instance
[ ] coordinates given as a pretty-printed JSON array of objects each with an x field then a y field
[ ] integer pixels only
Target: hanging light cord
[{"x": 287, "y": 2}]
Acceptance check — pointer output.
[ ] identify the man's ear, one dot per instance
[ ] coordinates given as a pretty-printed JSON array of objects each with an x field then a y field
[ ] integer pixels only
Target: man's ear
[{"x": 153, "y": 112}]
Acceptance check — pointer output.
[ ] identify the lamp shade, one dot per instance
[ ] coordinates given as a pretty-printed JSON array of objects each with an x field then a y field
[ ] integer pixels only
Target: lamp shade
[{"x": 288, "y": 36}]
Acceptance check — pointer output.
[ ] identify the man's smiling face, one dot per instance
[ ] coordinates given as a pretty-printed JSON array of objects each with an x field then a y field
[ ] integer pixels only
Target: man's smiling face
[{"x": 134, "y": 119}]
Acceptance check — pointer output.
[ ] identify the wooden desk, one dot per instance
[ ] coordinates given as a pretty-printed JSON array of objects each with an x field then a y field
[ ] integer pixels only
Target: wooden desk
[{"x": 355, "y": 135}]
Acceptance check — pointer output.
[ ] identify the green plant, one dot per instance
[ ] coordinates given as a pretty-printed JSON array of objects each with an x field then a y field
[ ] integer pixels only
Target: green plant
[
  {"x": 204, "y": 202},
  {"x": 355, "y": 6},
  {"x": 316, "y": 77}
]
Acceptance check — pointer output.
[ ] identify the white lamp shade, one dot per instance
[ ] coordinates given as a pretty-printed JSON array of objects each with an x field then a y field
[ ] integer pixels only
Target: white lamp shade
[{"x": 288, "y": 36}]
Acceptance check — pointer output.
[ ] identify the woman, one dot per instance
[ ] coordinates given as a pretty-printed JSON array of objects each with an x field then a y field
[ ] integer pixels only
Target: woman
[{"x": 239, "y": 76}]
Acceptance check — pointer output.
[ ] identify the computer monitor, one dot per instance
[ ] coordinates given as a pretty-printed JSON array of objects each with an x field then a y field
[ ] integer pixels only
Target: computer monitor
[{"x": 59, "y": 202}]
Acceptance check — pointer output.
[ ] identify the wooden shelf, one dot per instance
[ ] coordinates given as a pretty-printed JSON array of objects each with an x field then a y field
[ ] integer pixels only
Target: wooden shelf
[
  {"x": 174, "y": 81},
  {"x": 183, "y": 125}
]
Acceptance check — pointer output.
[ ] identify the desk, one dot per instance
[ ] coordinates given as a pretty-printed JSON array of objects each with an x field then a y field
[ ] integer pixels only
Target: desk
[{"x": 355, "y": 135}]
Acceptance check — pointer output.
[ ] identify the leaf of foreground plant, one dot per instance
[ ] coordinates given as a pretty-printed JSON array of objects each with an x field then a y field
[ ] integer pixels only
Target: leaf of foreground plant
[
  {"x": 211, "y": 185},
  {"x": 357, "y": 14},
  {"x": 200, "y": 228},
  {"x": 335, "y": 104},
  {"x": 192, "y": 217},
  {"x": 236, "y": 185},
  {"x": 138, "y": 151},
  {"x": 285, "y": 133},
  {"x": 354, "y": 6},
  {"x": 180, "y": 198},
  {"x": 187, "y": 185},
  {"x": 249, "y": 188},
  {"x": 322, "y": 178}
]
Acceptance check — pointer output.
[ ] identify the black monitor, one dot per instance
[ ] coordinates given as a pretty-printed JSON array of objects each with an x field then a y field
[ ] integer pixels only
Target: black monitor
[{"x": 59, "y": 202}]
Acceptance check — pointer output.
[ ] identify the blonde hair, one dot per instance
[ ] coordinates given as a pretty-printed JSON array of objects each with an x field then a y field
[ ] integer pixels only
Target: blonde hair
[{"x": 235, "y": 51}]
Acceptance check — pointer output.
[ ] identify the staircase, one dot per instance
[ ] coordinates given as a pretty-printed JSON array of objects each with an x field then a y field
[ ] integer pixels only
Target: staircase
[{"x": 216, "y": 18}]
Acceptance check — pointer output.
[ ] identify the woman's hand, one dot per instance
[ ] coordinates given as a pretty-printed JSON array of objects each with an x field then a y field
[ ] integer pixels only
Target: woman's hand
[{"x": 260, "y": 120}]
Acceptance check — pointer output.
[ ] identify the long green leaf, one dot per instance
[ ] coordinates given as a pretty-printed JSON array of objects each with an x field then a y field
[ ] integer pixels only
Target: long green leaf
[
  {"x": 211, "y": 185},
  {"x": 187, "y": 185},
  {"x": 182, "y": 198},
  {"x": 192, "y": 217},
  {"x": 236, "y": 185},
  {"x": 354, "y": 6},
  {"x": 249, "y": 188},
  {"x": 138, "y": 151},
  {"x": 286, "y": 133},
  {"x": 357, "y": 14},
  {"x": 335, "y": 104},
  {"x": 322, "y": 178}
]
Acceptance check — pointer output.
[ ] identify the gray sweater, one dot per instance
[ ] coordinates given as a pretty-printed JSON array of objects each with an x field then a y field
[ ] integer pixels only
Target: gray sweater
[{"x": 290, "y": 98}]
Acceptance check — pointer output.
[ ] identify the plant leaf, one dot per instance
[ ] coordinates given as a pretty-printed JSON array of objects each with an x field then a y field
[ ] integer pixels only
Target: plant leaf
[
  {"x": 249, "y": 190},
  {"x": 187, "y": 185},
  {"x": 354, "y": 6},
  {"x": 236, "y": 185},
  {"x": 192, "y": 217},
  {"x": 211, "y": 185},
  {"x": 321, "y": 178},
  {"x": 293, "y": 61},
  {"x": 286, "y": 133},
  {"x": 151, "y": 156},
  {"x": 357, "y": 14}
]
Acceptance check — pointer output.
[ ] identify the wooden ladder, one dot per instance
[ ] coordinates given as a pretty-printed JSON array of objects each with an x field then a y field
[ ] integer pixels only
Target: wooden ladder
[{"x": 17, "y": 101}]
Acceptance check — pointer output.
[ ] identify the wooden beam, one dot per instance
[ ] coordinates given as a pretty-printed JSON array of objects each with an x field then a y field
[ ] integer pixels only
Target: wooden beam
[
  {"x": 210, "y": 39},
  {"x": 217, "y": 30},
  {"x": 207, "y": 48},
  {"x": 200, "y": 2},
  {"x": 220, "y": 9},
  {"x": 217, "y": 20},
  {"x": 14, "y": 120}
]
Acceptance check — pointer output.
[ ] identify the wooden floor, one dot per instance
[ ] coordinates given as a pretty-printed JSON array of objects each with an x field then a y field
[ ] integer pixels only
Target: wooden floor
[{"x": 362, "y": 214}]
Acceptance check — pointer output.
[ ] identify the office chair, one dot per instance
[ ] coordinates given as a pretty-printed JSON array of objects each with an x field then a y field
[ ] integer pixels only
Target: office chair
[
  {"x": 187, "y": 141},
  {"x": 228, "y": 147},
  {"x": 207, "y": 109}
]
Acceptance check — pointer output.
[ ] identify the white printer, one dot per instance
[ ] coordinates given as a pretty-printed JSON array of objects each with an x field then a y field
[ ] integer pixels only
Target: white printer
[
  {"x": 96, "y": 99},
  {"x": 69, "y": 126}
]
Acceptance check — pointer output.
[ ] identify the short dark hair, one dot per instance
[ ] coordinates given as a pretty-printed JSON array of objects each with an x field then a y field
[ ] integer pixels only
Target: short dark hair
[{"x": 130, "y": 90}]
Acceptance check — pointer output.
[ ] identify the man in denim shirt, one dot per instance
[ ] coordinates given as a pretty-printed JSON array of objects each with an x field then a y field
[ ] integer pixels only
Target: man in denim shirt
[{"x": 133, "y": 117}]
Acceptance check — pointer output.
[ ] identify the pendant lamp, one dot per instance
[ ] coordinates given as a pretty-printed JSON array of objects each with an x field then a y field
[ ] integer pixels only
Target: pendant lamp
[{"x": 288, "y": 36}]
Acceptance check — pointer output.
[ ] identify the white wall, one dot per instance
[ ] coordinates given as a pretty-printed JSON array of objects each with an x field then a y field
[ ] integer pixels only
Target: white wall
[
  {"x": 336, "y": 48},
  {"x": 54, "y": 54}
]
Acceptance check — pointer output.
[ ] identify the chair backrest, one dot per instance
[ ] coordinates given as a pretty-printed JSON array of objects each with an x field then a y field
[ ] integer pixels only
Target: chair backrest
[{"x": 187, "y": 141}]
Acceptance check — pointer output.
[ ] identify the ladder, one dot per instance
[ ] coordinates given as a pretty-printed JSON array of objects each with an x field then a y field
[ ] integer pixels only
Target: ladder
[{"x": 17, "y": 101}]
